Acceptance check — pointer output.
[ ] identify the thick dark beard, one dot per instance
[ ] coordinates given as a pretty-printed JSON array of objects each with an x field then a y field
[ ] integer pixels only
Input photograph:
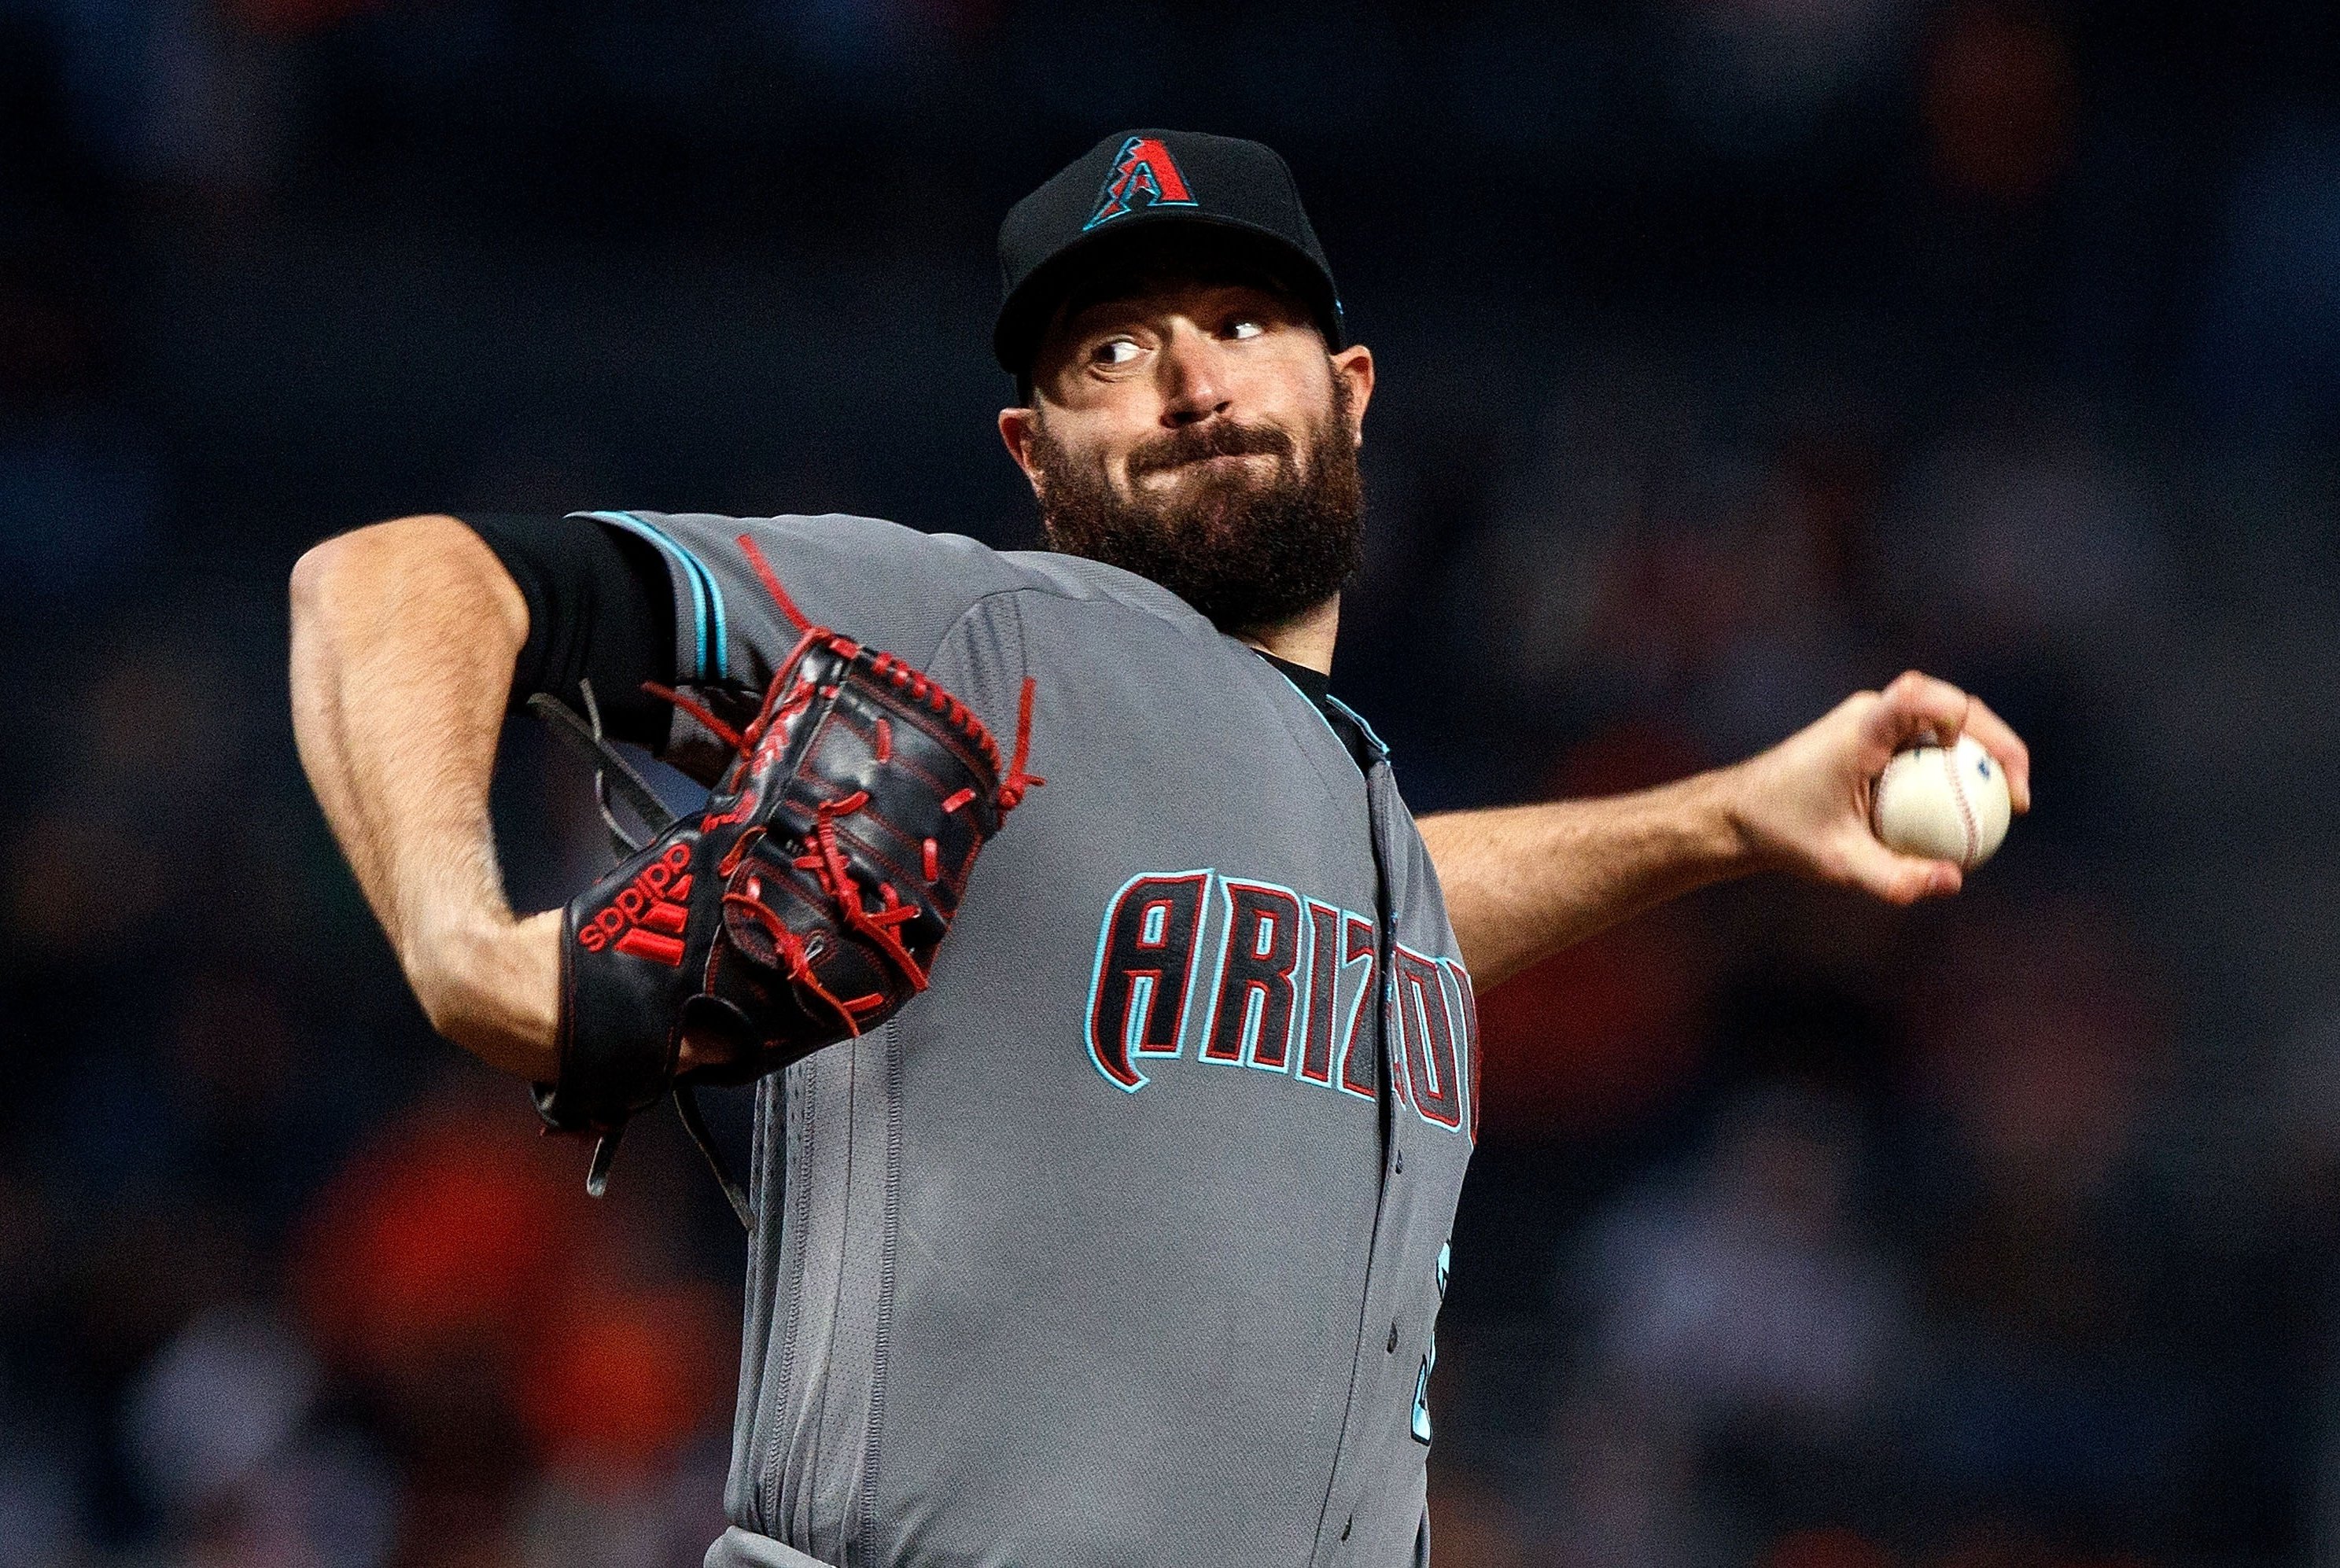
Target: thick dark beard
[{"x": 1251, "y": 556}]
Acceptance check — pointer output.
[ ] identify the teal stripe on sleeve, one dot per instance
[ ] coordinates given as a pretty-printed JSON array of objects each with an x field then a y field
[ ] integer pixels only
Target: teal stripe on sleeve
[
  {"x": 708, "y": 624},
  {"x": 714, "y": 628}
]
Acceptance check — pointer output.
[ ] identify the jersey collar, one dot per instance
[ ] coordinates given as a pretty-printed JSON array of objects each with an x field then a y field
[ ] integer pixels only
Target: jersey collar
[{"x": 1355, "y": 736}]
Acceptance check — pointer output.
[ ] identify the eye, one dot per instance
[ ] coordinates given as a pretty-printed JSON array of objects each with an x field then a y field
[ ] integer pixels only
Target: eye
[
  {"x": 1114, "y": 351},
  {"x": 1245, "y": 327}
]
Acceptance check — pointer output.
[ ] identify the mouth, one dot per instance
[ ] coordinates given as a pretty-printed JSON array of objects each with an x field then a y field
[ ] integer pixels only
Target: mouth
[{"x": 1221, "y": 463}]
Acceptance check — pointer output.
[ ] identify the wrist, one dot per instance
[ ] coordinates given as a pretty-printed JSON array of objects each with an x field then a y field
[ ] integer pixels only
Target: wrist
[
  {"x": 1730, "y": 816},
  {"x": 492, "y": 985}
]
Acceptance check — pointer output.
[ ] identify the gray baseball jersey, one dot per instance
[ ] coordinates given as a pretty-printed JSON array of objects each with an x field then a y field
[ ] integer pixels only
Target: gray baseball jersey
[{"x": 1123, "y": 1242}]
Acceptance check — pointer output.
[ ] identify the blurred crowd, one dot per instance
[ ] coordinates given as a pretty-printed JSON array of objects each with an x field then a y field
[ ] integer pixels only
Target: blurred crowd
[{"x": 1735, "y": 354}]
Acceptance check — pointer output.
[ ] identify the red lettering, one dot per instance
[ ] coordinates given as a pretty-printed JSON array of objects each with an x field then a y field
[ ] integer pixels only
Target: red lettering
[
  {"x": 652, "y": 900},
  {"x": 1427, "y": 1026},
  {"x": 642, "y": 943}
]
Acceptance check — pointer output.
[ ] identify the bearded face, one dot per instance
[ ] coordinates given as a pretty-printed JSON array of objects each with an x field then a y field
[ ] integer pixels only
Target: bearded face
[{"x": 1248, "y": 525}]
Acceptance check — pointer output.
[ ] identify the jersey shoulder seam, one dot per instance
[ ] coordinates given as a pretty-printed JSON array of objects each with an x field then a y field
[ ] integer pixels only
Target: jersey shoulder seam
[
  {"x": 1047, "y": 590},
  {"x": 958, "y": 622}
]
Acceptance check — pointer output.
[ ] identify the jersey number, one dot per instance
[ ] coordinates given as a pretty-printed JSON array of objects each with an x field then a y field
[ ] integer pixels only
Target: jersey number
[{"x": 1430, "y": 1356}]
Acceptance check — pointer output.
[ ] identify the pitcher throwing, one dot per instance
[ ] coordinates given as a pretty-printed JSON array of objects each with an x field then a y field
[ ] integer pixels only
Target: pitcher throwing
[{"x": 1109, "y": 1131}]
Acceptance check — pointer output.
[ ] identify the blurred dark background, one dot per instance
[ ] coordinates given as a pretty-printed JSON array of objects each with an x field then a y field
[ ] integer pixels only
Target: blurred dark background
[{"x": 1734, "y": 354}]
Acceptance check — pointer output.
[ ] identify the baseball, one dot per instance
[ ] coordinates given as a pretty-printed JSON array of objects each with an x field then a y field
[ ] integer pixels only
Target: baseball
[{"x": 1943, "y": 802}]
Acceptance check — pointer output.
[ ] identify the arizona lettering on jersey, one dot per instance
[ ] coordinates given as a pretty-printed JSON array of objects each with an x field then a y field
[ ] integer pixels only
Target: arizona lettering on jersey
[
  {"x": 928, "y": 1378},
  {"x": 1256, "y": 975}
]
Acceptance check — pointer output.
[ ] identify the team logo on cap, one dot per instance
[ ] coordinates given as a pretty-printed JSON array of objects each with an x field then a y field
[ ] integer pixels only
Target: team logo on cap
[{"x": 1144, "y": 168}]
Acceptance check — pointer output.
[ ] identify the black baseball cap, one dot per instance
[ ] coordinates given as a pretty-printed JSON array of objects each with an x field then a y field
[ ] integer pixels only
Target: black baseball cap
[{"x": 1137, "y": 186}]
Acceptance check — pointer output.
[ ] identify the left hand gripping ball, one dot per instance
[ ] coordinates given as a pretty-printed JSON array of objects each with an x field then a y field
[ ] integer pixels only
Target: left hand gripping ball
[{"x": 1943, "y": 802}]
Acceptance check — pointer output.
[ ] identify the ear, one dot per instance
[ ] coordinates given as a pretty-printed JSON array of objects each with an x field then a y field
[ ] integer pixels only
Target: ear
[
  {"x": 1017, "y": 427},
  {"x": 1355, "y": 365}
]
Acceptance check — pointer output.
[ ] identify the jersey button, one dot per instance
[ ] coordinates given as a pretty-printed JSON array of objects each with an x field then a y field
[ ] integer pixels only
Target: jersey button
[
  {"x": 1392, "y": 1346},
  {"x": 1352, "y": 1525},
  {"x": 1400, "y": 1162}
]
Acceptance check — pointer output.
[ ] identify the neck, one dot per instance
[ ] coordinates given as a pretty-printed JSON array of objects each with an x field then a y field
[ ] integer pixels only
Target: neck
[{"x": 1307, "y": 641}]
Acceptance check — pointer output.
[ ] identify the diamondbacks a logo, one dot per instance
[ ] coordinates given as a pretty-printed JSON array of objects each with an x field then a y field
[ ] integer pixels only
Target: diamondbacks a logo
[
  {"x": 1146, "y": 170},
  {"x": 648, "y": 917}
]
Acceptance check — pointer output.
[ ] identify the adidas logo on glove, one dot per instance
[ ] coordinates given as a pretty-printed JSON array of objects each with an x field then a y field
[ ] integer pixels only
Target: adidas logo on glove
[{"x": 648, "y": 917}]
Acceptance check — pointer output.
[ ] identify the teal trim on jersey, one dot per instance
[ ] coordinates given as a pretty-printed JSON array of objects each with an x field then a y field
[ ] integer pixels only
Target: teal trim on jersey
[
  {"x": 1420, "y": 1423},
  {"x": 1248, "y": 1044},
  {"x": 1381, "y": 747},
  {"x": 709, "y": 626},
  {"x": 1312, "y": 708},
  {"x": 1134, "y": 1013}
]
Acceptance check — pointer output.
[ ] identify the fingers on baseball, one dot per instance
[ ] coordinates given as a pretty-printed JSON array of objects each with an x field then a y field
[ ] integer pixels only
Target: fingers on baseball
[
  {"x": 1994, "y": 737},
  {"x": 1898, "y": 879},
  {"x": 1917, "y": 709}
]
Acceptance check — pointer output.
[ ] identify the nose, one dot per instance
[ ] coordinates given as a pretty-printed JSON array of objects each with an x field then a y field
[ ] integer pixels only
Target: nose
[{"x": 1194, "y": 377}]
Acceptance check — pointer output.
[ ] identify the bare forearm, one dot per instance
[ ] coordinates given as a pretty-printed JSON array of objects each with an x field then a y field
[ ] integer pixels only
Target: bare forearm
[
  {"x": 403, "y": 639},
  {"x": 1523, "y": 881}
]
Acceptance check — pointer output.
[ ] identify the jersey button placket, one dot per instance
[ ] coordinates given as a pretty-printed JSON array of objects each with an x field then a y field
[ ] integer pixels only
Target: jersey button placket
[{"x": 1355, "y": 1447}]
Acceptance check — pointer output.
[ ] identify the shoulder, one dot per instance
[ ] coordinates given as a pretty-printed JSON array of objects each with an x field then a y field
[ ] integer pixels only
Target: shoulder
[
  {"x": 872, "y": 546},
  {"x": 891, "y": 586},
  {"x": 874, "y": 552},
  {"x": 1069, "y": 615},
  {"x": 877, "y": 547},
  {"x": 736, "y": 579}
]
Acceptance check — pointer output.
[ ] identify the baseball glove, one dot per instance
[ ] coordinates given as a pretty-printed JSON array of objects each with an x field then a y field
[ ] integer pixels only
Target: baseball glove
[{"x": 802, "y": 906}]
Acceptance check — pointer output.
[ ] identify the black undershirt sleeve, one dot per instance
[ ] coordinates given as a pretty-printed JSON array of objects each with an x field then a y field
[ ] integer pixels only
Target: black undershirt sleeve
[{"x": 600, "y": 609}]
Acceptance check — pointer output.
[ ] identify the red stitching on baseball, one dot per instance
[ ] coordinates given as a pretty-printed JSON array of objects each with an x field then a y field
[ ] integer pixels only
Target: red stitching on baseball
[{"x": 1966, "y": 812}]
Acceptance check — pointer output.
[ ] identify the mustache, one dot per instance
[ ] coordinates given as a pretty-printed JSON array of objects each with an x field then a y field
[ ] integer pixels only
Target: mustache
[{"x": 1211, "y": 438}]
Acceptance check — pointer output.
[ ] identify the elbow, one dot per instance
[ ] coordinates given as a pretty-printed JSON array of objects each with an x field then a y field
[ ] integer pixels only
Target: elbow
[
  {"x": 314, "y": 578},
  {"x": 333, "y": 586},
  {"x": 316, "y": 583},
  {"x": 334, "y": 573},
  {"x": 426, "y": 564},
  {"x": 329, "y": 571}
]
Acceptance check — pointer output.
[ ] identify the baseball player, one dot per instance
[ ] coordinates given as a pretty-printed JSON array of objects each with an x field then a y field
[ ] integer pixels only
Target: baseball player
[{"x": 1112, "y": 1018}]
